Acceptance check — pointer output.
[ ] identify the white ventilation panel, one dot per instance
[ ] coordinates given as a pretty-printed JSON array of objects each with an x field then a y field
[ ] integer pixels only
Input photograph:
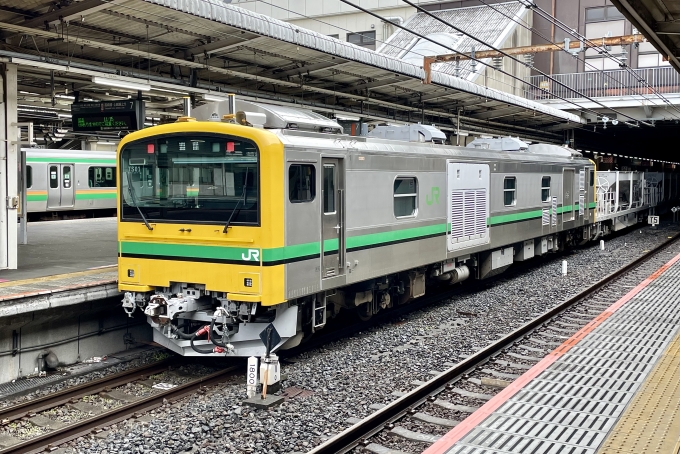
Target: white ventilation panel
[{"x": 468, "y": 202}]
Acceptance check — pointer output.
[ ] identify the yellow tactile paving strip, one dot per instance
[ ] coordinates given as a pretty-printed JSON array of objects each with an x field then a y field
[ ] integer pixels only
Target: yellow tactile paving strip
[
  {"x": 25, "y": 288},
  {"x": 651, "y": 423}
]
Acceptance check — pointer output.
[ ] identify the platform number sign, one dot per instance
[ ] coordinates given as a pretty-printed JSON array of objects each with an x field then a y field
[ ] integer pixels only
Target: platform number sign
[{"x": 653, "y": 220}]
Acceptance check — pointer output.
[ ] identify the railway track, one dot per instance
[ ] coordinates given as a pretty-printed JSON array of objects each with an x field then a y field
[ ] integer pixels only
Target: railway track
[
  {"x": 442, "y": 402},
  {"x": 54, "y": 432}
]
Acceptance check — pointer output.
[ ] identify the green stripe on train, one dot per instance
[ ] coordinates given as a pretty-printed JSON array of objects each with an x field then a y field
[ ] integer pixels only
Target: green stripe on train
[
  {"x": 89, "y": 196},
  {"x": 36, "y": 198},
  {"x": 285, "y": 253}
]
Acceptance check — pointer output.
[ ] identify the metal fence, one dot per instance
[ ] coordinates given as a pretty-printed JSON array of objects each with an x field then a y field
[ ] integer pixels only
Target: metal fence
[{"x": 664, "y": 79}]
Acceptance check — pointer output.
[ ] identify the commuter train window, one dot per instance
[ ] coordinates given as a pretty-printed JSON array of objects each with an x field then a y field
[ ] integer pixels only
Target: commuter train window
[
  {"x": 405, "y": 197},
  {"x": 101, "y": 177},
  {"x": 189, "y": 178},
  {"x": 29, "y": 177},
  {"x": 66, "y": 177},
  {"x": 329, "y": 188},
  {"x": 545, "y": 189},
  {"x": 592, "y": 178},
  {"x": 54, "y": 177},
  {"x": 301, "y": 183},
  {"x": 509, "y": 191}
]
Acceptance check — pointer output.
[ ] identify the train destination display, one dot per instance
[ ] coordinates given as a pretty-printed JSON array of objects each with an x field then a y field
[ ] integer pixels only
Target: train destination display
[{"x": 127, "y": 115}]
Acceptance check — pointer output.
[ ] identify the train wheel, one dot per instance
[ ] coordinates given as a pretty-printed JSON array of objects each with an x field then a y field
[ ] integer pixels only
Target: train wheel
[{"x": 365, "y": 312}]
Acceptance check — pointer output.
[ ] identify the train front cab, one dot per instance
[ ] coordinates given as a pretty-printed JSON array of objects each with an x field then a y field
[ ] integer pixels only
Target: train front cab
[{"x": 201, "y": 234}]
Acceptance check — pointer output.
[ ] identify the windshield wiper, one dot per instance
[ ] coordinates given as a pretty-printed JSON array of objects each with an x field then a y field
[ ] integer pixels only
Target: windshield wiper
[
  {"x": 241, "y": 200},
  {"x": 133, "y": 196}
]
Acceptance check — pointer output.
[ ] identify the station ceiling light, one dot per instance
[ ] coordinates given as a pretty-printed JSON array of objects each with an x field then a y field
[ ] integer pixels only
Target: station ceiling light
[
  {"x": 211, "y": 97},
  {"x": 121, "y": 83}
]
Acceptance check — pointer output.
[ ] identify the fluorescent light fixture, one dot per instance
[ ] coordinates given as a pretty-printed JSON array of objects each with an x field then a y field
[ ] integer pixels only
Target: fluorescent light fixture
[
  {"x": 211, "y": 97},
  {"x": 165, "y": 90},
  {"x": 347, "y": 117},
  {"x": 106, "y": 143},
  {"x": 64, "y": 115},
  {"x": 121, "y": 83}
]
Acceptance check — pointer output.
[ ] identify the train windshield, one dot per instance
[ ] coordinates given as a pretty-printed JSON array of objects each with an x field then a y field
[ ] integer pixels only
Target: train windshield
[{"x": 200, "y": 178}]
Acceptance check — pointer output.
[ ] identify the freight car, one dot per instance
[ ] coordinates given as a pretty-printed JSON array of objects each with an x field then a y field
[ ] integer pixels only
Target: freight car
[{"x": 226, "y": 228}]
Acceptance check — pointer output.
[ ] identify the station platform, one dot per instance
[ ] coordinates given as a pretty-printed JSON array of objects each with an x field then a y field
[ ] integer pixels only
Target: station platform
[
  {"x": 65, "y": 262},
  {"x": 613, "y": 387}
]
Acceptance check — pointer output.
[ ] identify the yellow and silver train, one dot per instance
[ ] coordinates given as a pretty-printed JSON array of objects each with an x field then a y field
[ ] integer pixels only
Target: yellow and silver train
[{"x": 226, "y": 228}]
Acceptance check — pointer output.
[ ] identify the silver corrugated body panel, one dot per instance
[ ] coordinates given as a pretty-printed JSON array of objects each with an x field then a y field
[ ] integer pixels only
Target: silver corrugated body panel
[{"x": 266, "y": 26}]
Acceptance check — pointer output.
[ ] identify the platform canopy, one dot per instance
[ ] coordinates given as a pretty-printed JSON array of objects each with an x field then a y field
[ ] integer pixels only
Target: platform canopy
[
  {"x": 203, "y": 49},
  {"x": 659, "y": 22}
]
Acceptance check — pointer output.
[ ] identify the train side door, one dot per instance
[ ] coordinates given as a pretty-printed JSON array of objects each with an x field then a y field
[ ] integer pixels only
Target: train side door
[
  {"x": 568, "y": 195},
  {"x": 60, "y": 192},
  {"x": 332, "y": 219}
]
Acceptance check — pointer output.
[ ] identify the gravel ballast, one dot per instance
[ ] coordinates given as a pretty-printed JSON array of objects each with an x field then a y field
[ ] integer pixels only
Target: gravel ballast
[{"x": 346, "y": 377}]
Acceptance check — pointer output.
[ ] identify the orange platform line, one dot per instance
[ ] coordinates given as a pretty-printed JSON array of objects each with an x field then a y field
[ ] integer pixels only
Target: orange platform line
[{"x": 447, "y": 441}]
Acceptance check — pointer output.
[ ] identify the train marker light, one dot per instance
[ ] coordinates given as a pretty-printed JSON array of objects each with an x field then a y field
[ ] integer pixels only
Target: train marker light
[
  {"x": 149, "y": 148},
  {"x": 230, "y": 147}
]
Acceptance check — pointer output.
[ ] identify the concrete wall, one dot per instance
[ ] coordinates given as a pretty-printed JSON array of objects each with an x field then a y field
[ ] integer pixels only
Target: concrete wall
[{"x": 71, "y": 332}]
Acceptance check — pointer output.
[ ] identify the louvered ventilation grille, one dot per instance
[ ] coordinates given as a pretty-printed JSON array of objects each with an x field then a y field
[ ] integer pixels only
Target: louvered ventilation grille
[
  {"x": 546, "y": 216},
  {"x": 468, "y": 213},
  {"x": 554, "y": 211},
  {"x": 582, "y": 180},
  {"x": 480, "y": 212},
  {"x": 457, "y": 214},
  {"x": 581, "y": 204}
]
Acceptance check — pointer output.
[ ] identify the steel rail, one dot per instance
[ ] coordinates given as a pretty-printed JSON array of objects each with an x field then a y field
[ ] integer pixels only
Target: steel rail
[
  {"x": 367, "y": 427},
  {"x": 75, "y": 392},
  {"x": 81, "y": 428}
]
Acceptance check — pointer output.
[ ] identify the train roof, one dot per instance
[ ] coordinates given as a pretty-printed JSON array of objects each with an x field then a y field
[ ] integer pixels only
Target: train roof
[
  {"x": 346, "y": 143},
  {"x": 73, "y": 154}
]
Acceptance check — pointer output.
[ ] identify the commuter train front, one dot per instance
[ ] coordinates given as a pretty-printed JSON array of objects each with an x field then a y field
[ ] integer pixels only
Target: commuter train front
[
  {"x": 200, "y": 234},
  {"x": 224, "y": 228}
]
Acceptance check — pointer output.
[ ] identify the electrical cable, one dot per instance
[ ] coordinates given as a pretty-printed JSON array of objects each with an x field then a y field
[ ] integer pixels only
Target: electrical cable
[
  {"x": 594, "y": 45},
  {"x": 377, "y": 16},
  {"x": 194, "y": 25},
  {"x": 583, "y": 60},
  {"x": 386, "y": 43},
  {"x": 408, "y": 2}
]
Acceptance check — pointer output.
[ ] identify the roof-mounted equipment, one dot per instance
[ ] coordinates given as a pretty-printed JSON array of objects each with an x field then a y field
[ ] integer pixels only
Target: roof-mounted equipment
[
  {"x": 409, "y": 133},
  {"x": 268, "y": 116},
  {"x": 499, "y": 144}
]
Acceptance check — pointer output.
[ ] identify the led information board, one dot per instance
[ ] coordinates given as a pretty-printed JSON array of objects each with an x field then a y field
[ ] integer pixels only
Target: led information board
[{"x": 127, "y": 115}]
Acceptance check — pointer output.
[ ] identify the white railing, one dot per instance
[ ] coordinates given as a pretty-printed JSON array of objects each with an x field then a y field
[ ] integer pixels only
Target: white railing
[{"x": 663, "y": 79}]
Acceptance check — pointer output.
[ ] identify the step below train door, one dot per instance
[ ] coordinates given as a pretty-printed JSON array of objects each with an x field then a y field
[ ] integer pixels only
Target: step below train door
[
  {"x": 332, "y": 219},
  {"x": 467, "y": 198}
]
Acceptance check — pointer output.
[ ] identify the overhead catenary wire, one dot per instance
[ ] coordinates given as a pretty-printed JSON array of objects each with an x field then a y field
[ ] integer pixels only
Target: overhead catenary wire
[
  {"x": 377, "y": 16},
  {"x": 594, "y": 45},
  {"x": 408, "y": 2},
  {"x": 583, "y": 60},
  {"x": 386, "y": 43},
  {"x": 195, "y": 25}
]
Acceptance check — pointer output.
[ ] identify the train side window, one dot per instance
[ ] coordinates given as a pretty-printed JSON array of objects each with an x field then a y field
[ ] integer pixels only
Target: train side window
[
  {"x": 509, "y": 191},
  {"x": 301, "y": 183},
  {"x": 592, "y": 177},
  {"x": 329, "y": 188},
  {"x": 66, "y": 177},
  {"x": 29, "y": 177},
  {"x": 405, "y": 197},
  {"x": 101, "y": 177},
  {"x": 545, "y": 189},
  {"x": 54, "y": 177}
]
